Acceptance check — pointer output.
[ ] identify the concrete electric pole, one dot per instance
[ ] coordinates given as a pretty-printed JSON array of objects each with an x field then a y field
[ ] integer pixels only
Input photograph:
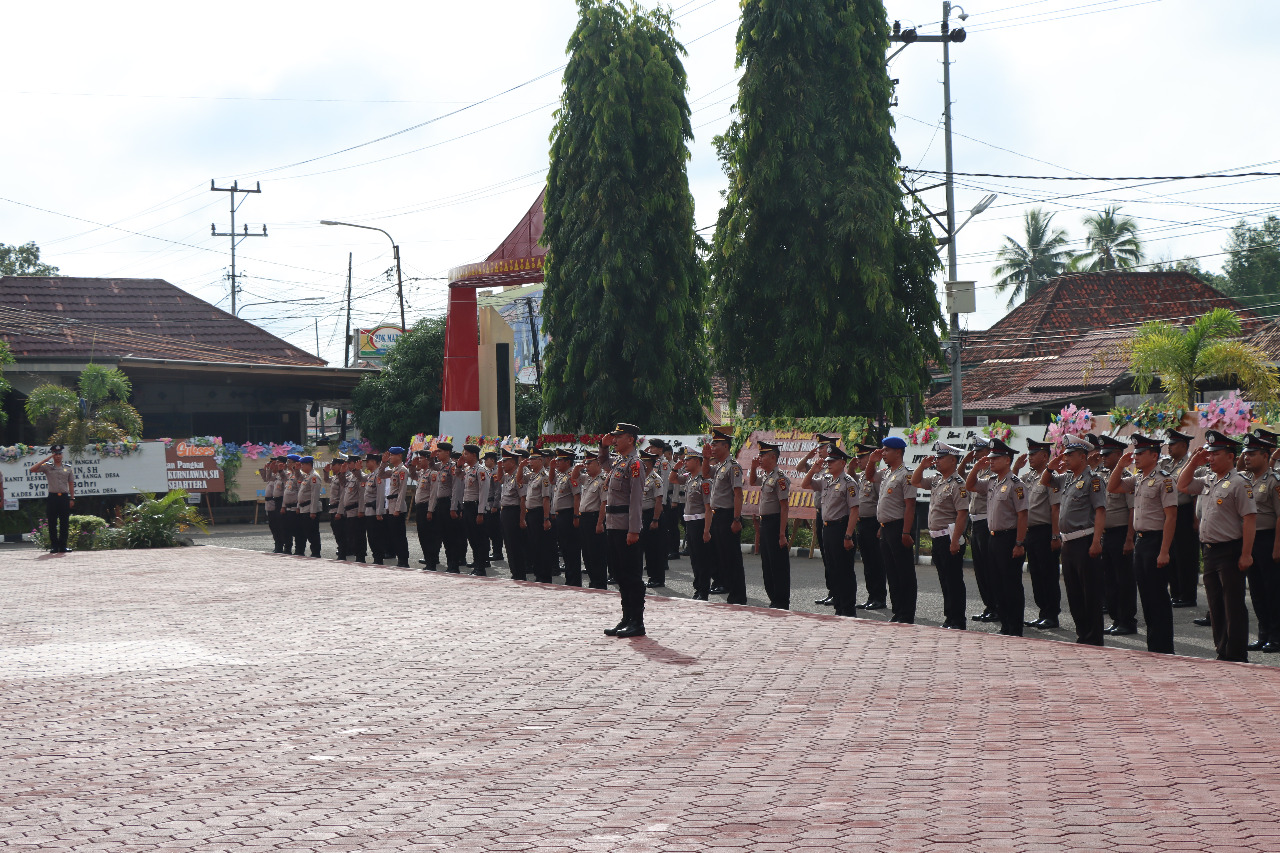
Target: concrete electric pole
[{"x": 235, "y": 238}]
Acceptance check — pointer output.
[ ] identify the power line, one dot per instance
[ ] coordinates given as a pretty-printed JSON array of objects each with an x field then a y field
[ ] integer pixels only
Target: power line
[{"x": 1090, "y": 178}]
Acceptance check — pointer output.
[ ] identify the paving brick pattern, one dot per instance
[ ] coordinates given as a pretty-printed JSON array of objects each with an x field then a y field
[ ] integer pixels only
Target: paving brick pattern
[{"x": 216, "y": 699}]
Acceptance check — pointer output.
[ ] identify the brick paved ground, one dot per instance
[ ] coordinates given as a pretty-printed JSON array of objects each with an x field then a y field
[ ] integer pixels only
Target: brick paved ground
[{"x": 215, "y": 699}]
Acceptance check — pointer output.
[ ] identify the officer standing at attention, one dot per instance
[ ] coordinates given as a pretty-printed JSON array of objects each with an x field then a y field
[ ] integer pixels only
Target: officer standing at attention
[
  {"x": 837, "y": 495},
  {"x": 492, "y": 515},
  {"x": 271, "y": 498},
  {"x": 352, "y": 497},
  {"x": 896, "y": 512},
  {"x": 1155, "y": 521},
  {"x": 1227, "y": 528},
  {"x": 775, "y": 507},
  {"x": 1184, "y": 571},
  {"x": 623, "y": 498},
  {"x": 422, "y": 468},
  {"x": 819, "y": 452},
  {"x": 868, "y": 535},
  {"x": 566, "y": 496},
  {"x": 1082, "y": 517},
  {"x": 725, "y": 507},
  {"x": 1043, "y": 539},
  {"x": 443, "y": 533},
  {"x": 397, "y": 478},
  {"x": 537, "y": 519},
  {"x": 653, "y": 537},
  {"x": 335, "y": 479},
  {"x": 1006, "y": 509},
  {"x": 1119, "y": 590},
  {"x": 373, "y": 508},
  {"x": 983, "y": 568},
  {"x": 475, "y": 497},
  {"x": 460, "y": 532},
  {"x": 293, "y": 541},
  {"x": 701, "y": 557},
  {"x": 591, "y": 482},
  {"x": 1264, "y": 586},
  {"x": 60, "y": 499},
  {"x": 512, "y": 510},
  {"x": 948, "y": 519},
  {"x": 310, "y": 507}
]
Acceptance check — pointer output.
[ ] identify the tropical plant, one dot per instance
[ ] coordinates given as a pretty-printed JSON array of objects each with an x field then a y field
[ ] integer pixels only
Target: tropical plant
[
  {"x": 98, "y": 410},
  {"x": 1111, "y": 242},
  {"x": 853, "y": 429},
  {"x": 1148, "y": 416},
  {"x": 823, "y": 299},
  {"x": 156, "y": 522},
  {"x": 1028, "y": 266},
  {"x": 1181, "y": 357},
  {"x": 625, "y": 288}
]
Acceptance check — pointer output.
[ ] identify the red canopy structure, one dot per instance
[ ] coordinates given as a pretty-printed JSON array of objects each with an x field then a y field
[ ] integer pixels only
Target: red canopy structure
[{"x": 517, "y": 260}]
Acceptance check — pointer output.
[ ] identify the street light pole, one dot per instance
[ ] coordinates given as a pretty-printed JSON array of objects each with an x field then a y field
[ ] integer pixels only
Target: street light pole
[{"x": 395, "y": 250}]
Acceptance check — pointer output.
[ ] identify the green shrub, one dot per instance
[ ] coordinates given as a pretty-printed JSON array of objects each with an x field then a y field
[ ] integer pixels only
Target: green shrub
[
  {"x": 81, "y": 532},
  {"x": 156, "y": 522},
  {"x": 110, "y": 539}
]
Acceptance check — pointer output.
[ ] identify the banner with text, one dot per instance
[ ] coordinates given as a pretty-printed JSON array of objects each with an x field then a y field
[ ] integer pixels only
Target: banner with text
[
  {"x": 193, "y": 468},
  {"x": 143, "y": 470}
]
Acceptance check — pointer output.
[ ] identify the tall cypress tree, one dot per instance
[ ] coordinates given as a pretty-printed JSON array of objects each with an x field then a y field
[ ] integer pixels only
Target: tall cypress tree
[
  {"x": 625, "y": 290},
  {"x": 821, "y": 285}
]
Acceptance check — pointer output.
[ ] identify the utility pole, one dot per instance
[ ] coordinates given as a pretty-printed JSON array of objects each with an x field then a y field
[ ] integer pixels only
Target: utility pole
[
  {"x": 346, "y": 351},
  {"x": 395, "y": 250},
  {"x": 235, "y": 238},
  {"x": 533, "y": 337}
]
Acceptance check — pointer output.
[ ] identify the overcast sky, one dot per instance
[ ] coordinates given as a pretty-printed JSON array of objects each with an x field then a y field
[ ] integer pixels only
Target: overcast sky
[{"x": 119, "y": 115}]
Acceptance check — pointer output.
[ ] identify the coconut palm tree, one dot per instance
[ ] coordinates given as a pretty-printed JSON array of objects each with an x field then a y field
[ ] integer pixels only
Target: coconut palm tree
[
  {"x": 1027, "y": 267},
  {"x": 1111, "y": 242},
  {"x": 1182, "y": 356},
  {"x": 97, "y": 410}
]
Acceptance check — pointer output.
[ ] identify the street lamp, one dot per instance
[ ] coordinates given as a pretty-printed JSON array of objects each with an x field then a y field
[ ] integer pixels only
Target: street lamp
[{"x": 395, "y": 250}]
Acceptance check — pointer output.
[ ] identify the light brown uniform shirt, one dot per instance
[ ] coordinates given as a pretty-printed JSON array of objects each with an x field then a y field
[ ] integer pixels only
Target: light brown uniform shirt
[
  {"x": 1004, "y": 500},
  {"x": 60, "y": 477},
  {"x": 1175, "y": 468},
  {"x": 625, "y": 489},
  {"x": 592, "y": 491},
  {"x": 978, "y": 501},
  {"x": 1080, "y": 496},
  {"x": 1266, "y": 495},
  {"x": 1040, "y": 500},
  {"x": 1151, "y": 494},
  {"x": 726, "y": 477},
  {"x": 1118, "y": 506},
  {"x": 868, "y": 495},
  {"x": 537, "y": 485},
  {"x": 562, "y": 494},
  {"x": 895, "y": 490},
  {"x": 652, "y": 489},
  {"x": 775, "y": 490},
  {"x": 837, "y": 495},
  {"x": 947, "y": 496},
  {"x": 1226, "y": 502},
  {"x": 397, "y": 487}
]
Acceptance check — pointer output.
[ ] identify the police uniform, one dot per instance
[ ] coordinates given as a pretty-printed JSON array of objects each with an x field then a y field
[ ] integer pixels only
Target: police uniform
[
  {"x": 1264, "y": 582},
  {"x": 592, "y": 541},
  {"x": 310, "y": 508},
  {"x": 948, "y": 500},
  {"x": 1228, "y": 501},
  {"x": 294, "y": 541},
  {"x": 899, "y": 559},
  {"x": 983, "y": 566},
  {"x": 701, "y": 555},
  {"x": 1006, "y": 511},
  {"x": 1080, "y": 497},
  {"x": 373, "y": 510},
  {"x": 1119, "y": 590},
  {"x": 397, "y": 479},
  {"x": 1184, "y": 565},
  {"x": 667, "y": 518},
  {"x": 62, "y": 491},
  {"x": 725, "y": 508},
  {"x": 624, "y": 497},
  {"x": 509, "y": 507},
  {"x": 336, "y": 486},
  {"x": 492, "y": 512},
  {"x": 271, "y": 501},
  {"x": 837, "y": 498},
  {"x": 422, "y": 468},
  {"x": 351, "y": 499},
  {"x": 868, "y": 535},
  {"x": 565, "y": 496},
  {"x": 541, "y": 541},
  {"x": 775, "y": 560},
  {"x": 475, "y": 481},
  {"x": 824, "y": 443},
  {"x": 1042, "y": 558},
  {"x": 1153, "y": 492},
  {"x": 653, "y": 538}
]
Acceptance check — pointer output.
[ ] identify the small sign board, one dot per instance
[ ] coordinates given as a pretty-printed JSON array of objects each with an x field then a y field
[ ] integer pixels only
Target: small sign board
[
  {"x": 193, "y": 468},
  {"x": 374, "y": 343}
]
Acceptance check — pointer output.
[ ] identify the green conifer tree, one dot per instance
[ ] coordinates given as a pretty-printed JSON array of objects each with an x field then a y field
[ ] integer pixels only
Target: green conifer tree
[
  {"x": 625, "y": 288},
  {"x": 822, "y": 291}
]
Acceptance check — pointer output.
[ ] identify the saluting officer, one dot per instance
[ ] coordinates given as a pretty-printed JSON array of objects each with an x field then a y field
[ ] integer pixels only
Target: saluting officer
[
  {"x": 566, "y": 496},
  {"x": 310, "y": 506},
  {"x": 422, "y": 469},
  {"x": 623, "y": 499},
  {"x": 512, "y": 510},
  {"x": 293, "y": 538},
  {"x": 60, "y": 498},
  {"x": 352, "y": 497},
  {"x": 896, "y": 512},
  {"x": 819, "y": 452},
  {"x": 725, "y": 506},
  {"x": 983, "y": 567},
  {"x": 948, "y": 519},
  {"x": 271, "y": 498},
  {"x": 374, "y": 509},
  {"x": 1264, "y": 586},
  {"x": 492, "y": 512},
  {"x": 868, "y": 535},
  {"x": 537, "y": 518},
  {"x": 397, "y": 478},
  {"x": 1005, "y": 506},
  {"x": 837, "y": 496},
  {"x": 1043, "y": 539},
  {"x": 591, "y": 481},
  {"x": 775, "y": 507},
  {"x": 335, "y": 479},
  {"x": 701, "y": 557},
  {"x": 653, "y": 537},
  {"x": 1184, "y": 570},
  {"x": 1155, "y": 522},
  {"x": 1227, "y": 528},
  {"x": 1120, "y": 591},
  {"x": 475, "y": 497},
  {"x": 1082, "y": 517}
]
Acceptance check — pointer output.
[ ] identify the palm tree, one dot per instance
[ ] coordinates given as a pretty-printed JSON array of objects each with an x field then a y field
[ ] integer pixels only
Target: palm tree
[
  {"x": 1111, "y": 242},
  {"x": 1027, "y": 268},
  {"x": 1181, "y": 356},
  {"x": 100, "y": 411}
]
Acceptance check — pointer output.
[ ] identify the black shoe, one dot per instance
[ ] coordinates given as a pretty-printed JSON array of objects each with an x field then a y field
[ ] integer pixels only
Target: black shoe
[
  {"x": 402, "y": 564},
  {"x": 651, "y": 584},
  {"x": 377, "y": 562},
  {"x": 453, "y": 570},
  {"x": 479, "y": 573},
  {"x": 718, "y": 590},
  {"x": 497, "y": 557},
  {"x": 631, "y": 629},
  {"x": 700, "y": 596},
  {"x": 1202, "y": 621},
  {"x": 1182, "y": 603},
  {"x": 1047, "y": 624},
  {"x": 1271, "y": 647},
  {"x": 422, "y": 562},
  {"x": 613, "y": 632},
  {"x": 1256, "y": 646},
  {"x": 1032, "y": 623},
  {"x": 874, "y": 604},
  {"x": 611, "y": 581},
  {"x": 1122, "y": 630},
  {"x": 825, "y": 602},
  {"x": 984, "y": 616},
  {"x": 359, "y": 559}
]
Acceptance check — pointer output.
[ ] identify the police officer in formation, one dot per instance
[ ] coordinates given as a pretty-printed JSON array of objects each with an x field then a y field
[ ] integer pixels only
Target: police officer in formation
[
  {"x": 1043, "y": 538},
  {"x": 775, "y": 548},
  {"x": 511, "y": 510},
  {"x": 896, "y": 510},
  {"x": 868, "y": 532},
  {"x": 691, "y": 478},
  {"x": 1118, "y": 585},
  {"x": 1264, "y": 588},
  {"x": 492, "y": 512},
  {"x": 624, "y": 497},
  {"x": 1184, "y": 569},
  {"x": 948, "y": 519},
  {"x": 566, "y": 510},
  {"x": 1006, "y": 511},
  {"x": 475, "y": 483},
  {"x": 725, "y": 508},
  {"x": 983, "y": 568},
  {"x": 653, "y": 535},
  {"x": 60, "y": 498},
  {"x": 536, "y": 521},
  {"x": 836, "y": 495},
  {"x": 591, "y": 481},
  {"x": 1082, "y": 516}
]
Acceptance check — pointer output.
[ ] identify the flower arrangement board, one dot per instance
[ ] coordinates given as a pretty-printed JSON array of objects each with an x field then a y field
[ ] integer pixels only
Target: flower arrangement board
[{"x": 141, "y": 469}]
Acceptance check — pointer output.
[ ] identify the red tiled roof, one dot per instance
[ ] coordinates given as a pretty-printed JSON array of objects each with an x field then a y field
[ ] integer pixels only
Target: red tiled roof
[
  {"x": 116, "y": 317},
  {"x": 985, "y": 381},
  {"x": 1097, "y": 354},
  {"x": 1267, "y": 339},
  {"x": 1069, "y": 307}
]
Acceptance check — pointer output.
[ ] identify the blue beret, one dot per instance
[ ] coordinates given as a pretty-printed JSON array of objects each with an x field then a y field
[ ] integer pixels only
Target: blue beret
[
  {"x": 396, "y": 451},
  {"x": 894, "y": 442},
  {"x": 293, "y": 457},
  {"x": 307, "y": 460}
]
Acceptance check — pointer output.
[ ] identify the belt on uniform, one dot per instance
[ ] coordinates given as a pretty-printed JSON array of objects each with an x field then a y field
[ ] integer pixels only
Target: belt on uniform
[
  {"x": 1147, "y": 532},
  {"x": 614, "y": 510},
  {"x": 1229, "y": 543},
  {"x": 1000, "y": 532},
  {"x": 844, "y": 519},
  {"x": 698, "y": 517},
  {"x": 58, "y": 494},
  {"x": 1076, "y": 534},
  {"x": 938, "y": 534}
]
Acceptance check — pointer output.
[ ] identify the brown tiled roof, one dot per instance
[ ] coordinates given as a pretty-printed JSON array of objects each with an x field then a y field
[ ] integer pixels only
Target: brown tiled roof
[
  {"x": 1267, "y": 339},
  {"x": 985, "y": 381},
  {"x": 116, "y": 317},
  {"x": 1071, "y": 306},
  {"x": 1097, "y": 355}
]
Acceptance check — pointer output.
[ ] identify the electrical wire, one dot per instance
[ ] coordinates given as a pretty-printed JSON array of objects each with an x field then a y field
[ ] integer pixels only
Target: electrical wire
[{"x": 1162, "y": 178}]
